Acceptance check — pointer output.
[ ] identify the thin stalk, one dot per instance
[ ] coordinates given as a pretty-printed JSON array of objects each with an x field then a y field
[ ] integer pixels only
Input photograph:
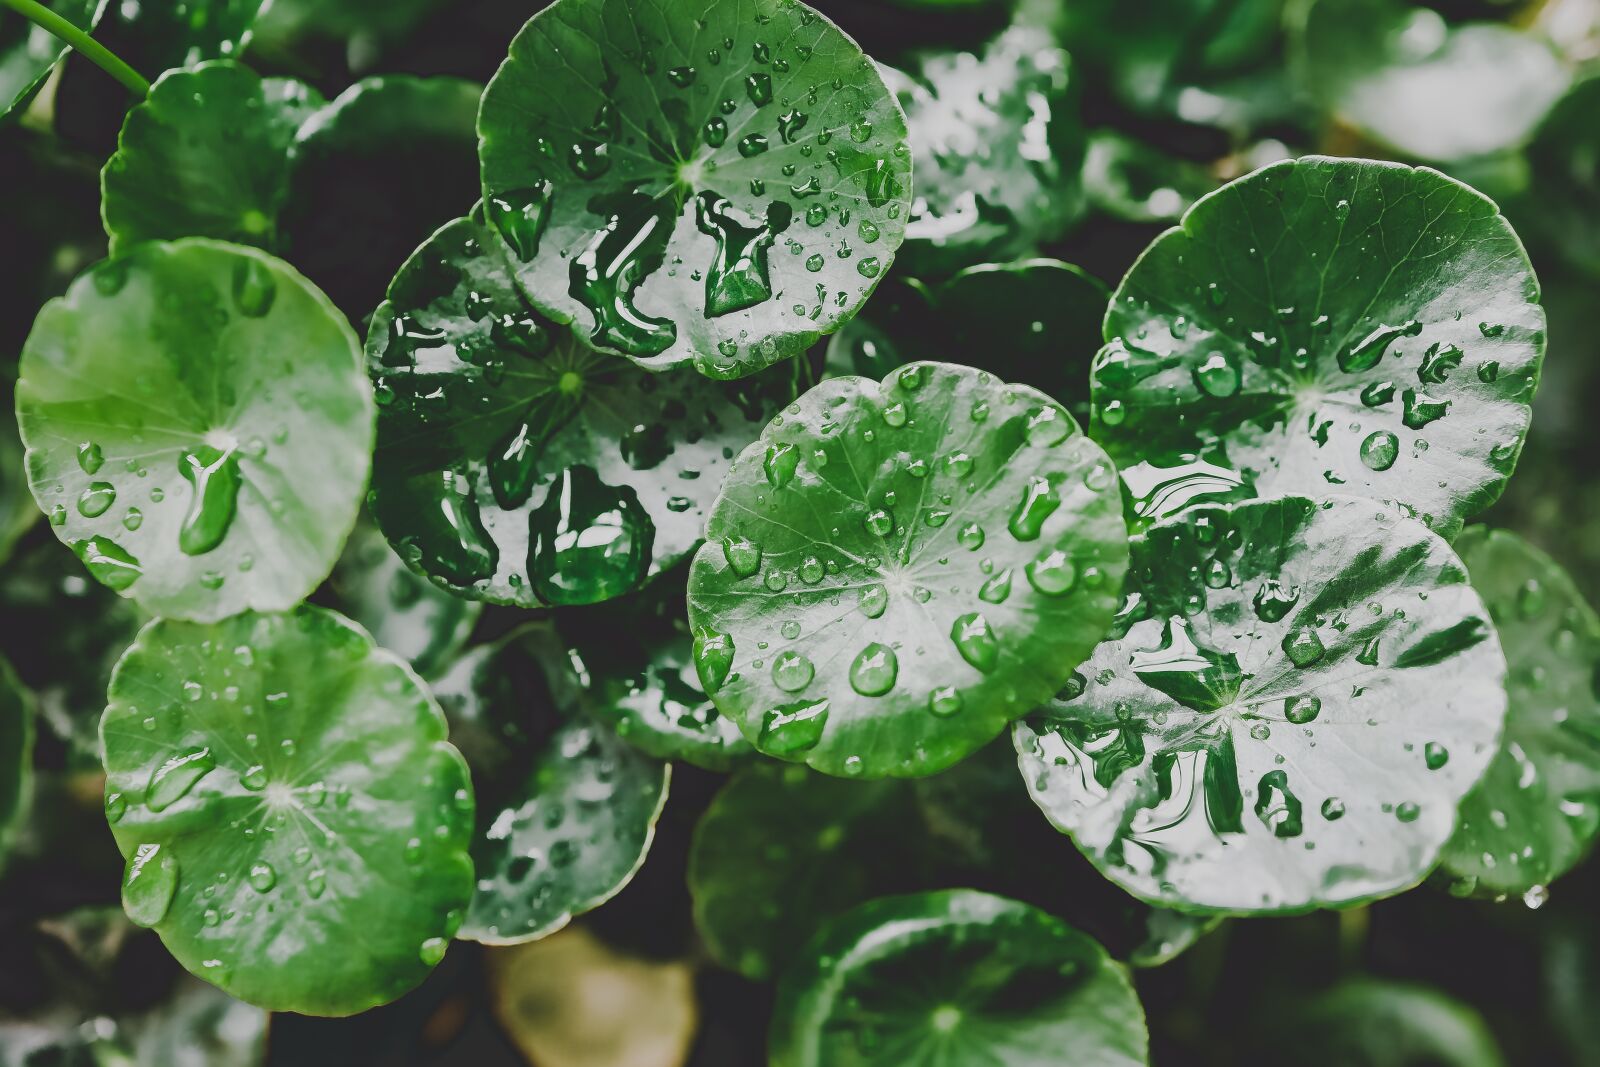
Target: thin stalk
[{"x": 80, "y": 41}]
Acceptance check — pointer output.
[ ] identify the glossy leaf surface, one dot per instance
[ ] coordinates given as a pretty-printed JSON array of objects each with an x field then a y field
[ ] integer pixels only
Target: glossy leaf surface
[
  {"x": 282, "y": 792},
  {"x": 1538, "y": 809},
  {"x": 998, "y": 148},
  {"x": 567, "y": 810},
  {"x": 517, "y": 465},
  {"x": 1381, "y": 1023},
  {"x": 893, "y": 572},
  {"x": 955, "y": 977},
  {"x": 718, "y": 183},
  {"x": 204, "y": 156},
  {"x": 1326, "y": 326},
  {"x": 1295, "y": 698},
  {"x": 198, "y": 427}
]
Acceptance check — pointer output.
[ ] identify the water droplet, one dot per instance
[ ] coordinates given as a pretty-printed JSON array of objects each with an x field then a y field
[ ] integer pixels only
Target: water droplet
[
  {"x": 1407, "y": 811},
  {"x": 1039, "y": 501},
  {"x": 895, "y": 414},
  {"x": 976, "y": 641},
  {"x": 1302, "y": 709},
  {"x": 1435, "y": 755},
  {"x": 1365, "y": 355},
  {"x": 171, "y": 781},
  {"x": 519, "y": 216},
  {"x": 254, "y": 778},
  {"x": 874, "y": 598},
  {"x": 792, "y": 672},
  {"x": 1303, "y": 647},
  {"x": 148, "y": 884},
  {"x": 1217, "y": 376},
  {"x": 997, "y": 588},
  {"x": 874, "y": 670},
  {"x": 791, "y": 728},
  {"x": 1274, "y": 600},
  {"x": 116, "y": 807},
  {"x": 743, "y": 556},
  {"x": 879, "y": 523},
  {"x": 1053, "y": 574},
  {"x": 96, "y": 499},
  {"x": 758, "y": 87},
  {"x": 214, "y": 477},
  {"x": 1379, "y": 450},
  {"x": 970, "y": 536},
  {"x": 603, "y": 277},
  {"x": 262, "y": 877},
  {"x": 1333, "y": 809},
  {"x": 432, "y": 951},
  {"x": 1418, "y": 409},
  {"x": 713, "y": 658},
  {"x": 780, "y": 464},
  {"x": 1277, "y": 806},
  {"x": 752, "y": 145},
  {"x": 588, "y": 541},
  {"x": 90, "y": 458},
  {"x": 316, "y": 884},
  {"x": 738, "y": 277},
  {"x": 254, "y": 289},
  {"x": 1047, "y": 426},
  {"x": 944, "y": 701},
  {"x": 790, "y": 629}
]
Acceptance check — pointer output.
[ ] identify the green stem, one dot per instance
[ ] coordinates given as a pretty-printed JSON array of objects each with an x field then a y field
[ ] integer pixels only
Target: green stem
[{"x": 43, "y": 17}]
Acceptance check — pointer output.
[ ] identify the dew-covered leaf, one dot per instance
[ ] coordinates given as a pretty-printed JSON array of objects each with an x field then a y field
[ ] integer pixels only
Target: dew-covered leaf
[
  {"x": 955, "y": 977},
  {"x": 782, "y": 849},
  {"x": 16, "y": 753},
  {"x": 1403, "y": 76},
  {"x": 198, "y": 427},
  {"x": 1294, "y": 700},
  {"x": 404, "y": 612},
  {"x": 1325, "y": 327},
  {"x": 204, "y": 155},
  {"x": 1377, "y": 1023},
  {"x": 566, "y": 809},
  {"x": 893, "y": 572},
  {"x": 517, "y": 465},
  {"x": 371, "y": 175},
  {"x": 283, "y": 792},
  {"x": 1035, "y": 321},
  {"x": 638, "y": 655},
  {"x": 998, "y": 149},
  {"x": 718, "y": 183},
  {"x": 1537, "y": 810},
  {"x": 29, "y": 53}
]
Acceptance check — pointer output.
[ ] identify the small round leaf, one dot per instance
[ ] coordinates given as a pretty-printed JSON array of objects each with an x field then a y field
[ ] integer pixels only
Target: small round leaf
[
  {"x": 204, "y": 156},
  {"x": 1294, "y": 701},
  {"x": 519, "y": 466},
  {"x": 294, "y": 822},
  {"x": 1326, "y": 326},
  {"x": 893, "y": 572},
  {"x": 198, "y": 427},
  {"x": 955, "y": 977},
  {"x": 719, "y": 183},
  {"x": 1537, "y": 810}
]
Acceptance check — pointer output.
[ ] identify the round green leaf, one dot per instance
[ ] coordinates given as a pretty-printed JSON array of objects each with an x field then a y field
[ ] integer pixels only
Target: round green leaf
[
  {"x": 1536, "y": 812},
  {"x": 638, "y": 656},
  {"x": 893, "y": 572},
  {"x": 517, "y": 465},
  {"x": 371, "y": 176},
  {"x": 719, "y": 183},
  {"x": 955, "y": 977},
  {"x": 295, "y": 824},
  {"x": 998, "y": 150},
  {"x": 1403, "y": 76},
  {"x": 404, "y": 613},
  {"x": 1294, "y": 700},
  {"x": 567, "y": 811},
  {"x": 781, "y": 850},
  {"x": 1326, "y": 326},
  {"x": 204, "y": 156},
  {"x": 198, "y": 427},
  {"x": 1378, "y": 1023},
  {"x": 16, "y": 753},
  {"x": 28, "y": 53}
]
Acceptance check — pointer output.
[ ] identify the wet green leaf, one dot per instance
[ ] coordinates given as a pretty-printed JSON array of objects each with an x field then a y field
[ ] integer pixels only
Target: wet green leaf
[
  {"x": 1380, "y": 1023},
  {"x": 1405, "y": 77},
  {"x": 781, "y": 850},
  {"x": 893, "y": 572},
  {"x": 282, "y": 790},
  {"x": 371, "y": 176},
  {"x": 1325, "y": 326},
  {"x": 517, "y": 465},
  {"x": 404, "y": 613},
  {"x": 204, "y": 156},
  {"x": 567, "y": 811},
  {"x": 1295, "y": 699},
  {"x": 998, "y": 149},
  {"x": 955, "y": 977},
  {"x": 16, "y": 753},
  {"x": 719, "y": 182},
  {"x": 638, "y": 655},
  {"x": 1035, "y": 321},
  {"x": 197, "y": 427},
  {"x": 1538, "y": 808}
]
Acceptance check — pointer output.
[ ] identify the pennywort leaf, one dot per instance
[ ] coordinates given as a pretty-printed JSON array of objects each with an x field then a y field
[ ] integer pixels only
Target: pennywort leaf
[
  {"x": 716, "y": 183},
  {"x": 1294, "y": 700},
  {"x": 894, "y": 571},
  {"x": 282, "y": 791},
  {"x": 1325, "y": 326},
  {"x": 198, "y": 427}
]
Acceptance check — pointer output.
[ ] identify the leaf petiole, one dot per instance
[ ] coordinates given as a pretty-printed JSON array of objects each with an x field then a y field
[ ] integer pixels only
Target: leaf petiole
[{"x": 80, "y": 41}]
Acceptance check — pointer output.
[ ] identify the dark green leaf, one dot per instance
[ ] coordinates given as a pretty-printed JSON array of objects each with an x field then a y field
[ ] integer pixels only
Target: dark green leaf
[
  {"x": 718, "y": 182},
  {"x": 1538, "y": 808},
  {"x": 204, "y": 156},
  {"x": 893, "y": 572},
  {"x": 1250, "y": 739},
  {"x": 295, "y": 824},
  {"x": 29, "y": 53},
  {"x": 998, "y": 149},
  {"x": 189, "y": 470},
  {"x": 1325, "y": 326},
  {"x": 1565, "y": 159},
  {"x": 371, "y": 176},
  {"x": 955, "y": 977},
  {"x": 1380, "y": 1023},
  {"x": 519, "y": 466}
]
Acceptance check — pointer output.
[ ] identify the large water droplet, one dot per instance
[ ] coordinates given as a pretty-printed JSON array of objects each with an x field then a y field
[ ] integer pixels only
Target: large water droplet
[
  {"x": 1053, "y": 574},
  {"x": 1217, "y": 376},
  {"x": 1435, "y": 755},
  {"x": 779, "y": 464},
  {"x": 738, "y": 276},
  {"x": 1365, "y": 355},
  {"x": 148, "y": 884},
  {"x": 1039, "y": 501},
  {"x": 254, "y": 289},
  {"x": 171, "y": 781},
  {"x": 1275, "y": 599},
  {"x": 96, "y": 499},
  {"x": 214, "y": 476},
  {"x": 1302, "y": 709},
  {"x": 743, "y": 556},
  {"x": 713, "y": 658},
  {"x": 976, "y": 641},
  {"x": 874, "y": 670},
  {"x": 874, "y": 599},
  {"x": 1379, "y": 450},
  {"x": 945, "y": 701},
  {"x": 1418, "y": 409},
  {"x": 791, "y": 728},
  {"x": 588, "y": 541},
  {"x": 452, "y": 541},
  {"x": 1303, "y": 646},
  {"x": 630, "y": 248},
  {"x": 262, "y": 877},
  {"x": 997, "y": 588},
  {"x": 90, "y": 458},
  {"x": 792, "y": 672},
  {"x": 520, "y": 215},
  {"x": 1277, "y": 806},
  {"x": 110, "y": 563}
]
